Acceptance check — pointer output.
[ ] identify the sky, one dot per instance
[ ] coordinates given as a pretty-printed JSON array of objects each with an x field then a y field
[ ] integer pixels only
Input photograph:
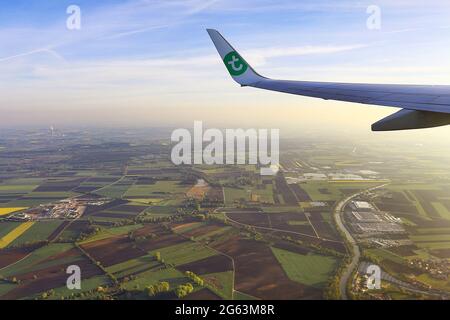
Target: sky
[{"x": 151, "y": 62}]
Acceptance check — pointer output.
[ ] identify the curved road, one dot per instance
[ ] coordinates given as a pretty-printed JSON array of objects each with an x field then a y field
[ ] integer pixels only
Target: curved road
[{"x": 354, "y": 246}]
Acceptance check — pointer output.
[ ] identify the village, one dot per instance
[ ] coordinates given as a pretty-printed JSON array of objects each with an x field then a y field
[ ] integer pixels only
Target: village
[{"x": 70, "y": 209}]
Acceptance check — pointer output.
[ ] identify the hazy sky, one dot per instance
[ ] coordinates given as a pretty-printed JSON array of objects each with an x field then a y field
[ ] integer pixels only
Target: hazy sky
[{"x": 144, "y": 62}]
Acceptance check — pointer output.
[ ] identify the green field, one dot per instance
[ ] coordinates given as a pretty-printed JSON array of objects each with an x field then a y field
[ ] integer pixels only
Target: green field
[
  {"x": 265, "y": 193},
  {"x": 384, "y": 254},
  {"x": 40, "y": 231},
  {"x": 311, "y": 269},
  {"x": 220, "y": 283},
  {"x": 106, "y": 233},
  {"x": 86, "y": 285},
  {"x": 158, "y": 189},
  {"x": 184, "y": 253},
  {"x": 435, "y": 283},
  {"x": 37, "y": 256},
  {"x": 14, "y": 188},
  {"x": 235, "y": 194},
  {"x": 133, "y": 266},
  {"x": 434, "y": 245},
  {"x": 114, "y": 191},
  {"x": 5, "y": 287},
  {"x": 145, "y": 279},
  {"x": 242, "y": 296},
  {"x": 430, "y": 237},
  {"x": 7, "y": 227},
  {"x": 331, "y": 191},
  {"x": 441, "y": 209}
]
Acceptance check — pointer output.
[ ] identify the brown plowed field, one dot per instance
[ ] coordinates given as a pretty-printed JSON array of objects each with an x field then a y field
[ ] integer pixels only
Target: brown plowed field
[
  {"x": 49, "y": 278},
  {"x": 203, "y": 294},
  {"x": 259, "y": 273},
  {"x": 214, "y": 264},
  {"x": 113, "y": 250},
  {"x": 10, "y": 256},
  {"x": 253, "y": 218},
  {"x": 200, "y": 231}
]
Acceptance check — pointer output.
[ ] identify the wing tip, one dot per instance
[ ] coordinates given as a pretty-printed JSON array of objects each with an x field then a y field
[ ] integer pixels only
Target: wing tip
[
  {"x": 213, "y": 31},
  {"x": 245, "y": 77}
]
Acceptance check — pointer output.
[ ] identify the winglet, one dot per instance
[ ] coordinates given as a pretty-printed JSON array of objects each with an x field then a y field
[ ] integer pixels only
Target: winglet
[{"x": 238, "y": 68}]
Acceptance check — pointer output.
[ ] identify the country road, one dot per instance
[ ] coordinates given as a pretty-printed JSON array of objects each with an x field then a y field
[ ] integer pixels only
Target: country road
[
  {"x": 356, "y": 253},
  {"x": 223, "y": 210}
]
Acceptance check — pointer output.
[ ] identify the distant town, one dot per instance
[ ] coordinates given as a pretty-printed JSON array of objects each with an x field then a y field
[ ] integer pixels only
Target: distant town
[{"x": 64, "y": 209}]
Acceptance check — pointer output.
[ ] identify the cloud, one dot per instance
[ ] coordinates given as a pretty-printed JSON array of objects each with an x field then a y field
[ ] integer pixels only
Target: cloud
[
  {"x": 184, "y": 66},
  {"x": 110, "y": 22},
  {"x": 49, "y": 51},
  {"x": 203, "y": 5},
  {"x": 260, "y": 56}
]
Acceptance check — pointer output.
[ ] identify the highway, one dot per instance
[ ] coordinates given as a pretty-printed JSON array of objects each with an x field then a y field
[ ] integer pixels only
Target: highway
[{"x": 356, "y": 253}]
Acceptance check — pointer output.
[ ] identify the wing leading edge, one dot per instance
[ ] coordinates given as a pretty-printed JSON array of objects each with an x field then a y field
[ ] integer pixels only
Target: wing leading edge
[{"x": 424, "y": 106}]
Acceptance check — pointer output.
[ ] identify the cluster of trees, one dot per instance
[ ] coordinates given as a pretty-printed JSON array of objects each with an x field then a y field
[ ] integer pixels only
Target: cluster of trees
[
  {"x": 208, "y": 202},
  {"x": 91, "y": 231},
  {"x": 183, "y": 290},
  {"x": 158, "y": 257},
  {"x": 100, "y": 293},
  {"x": 161, "y": 260},
  {"x": 189, "y": 179},
  {"x": 244, "y": 180},
  {"x": 218, "y": 219},
  {"x": 371, "y": 258},
  {"x": 125, "y": 222},
  {"x": 195, "y": 278},
  {"x": 29, "y": 244},
  {"x": 332, "y": 290},
  {"x": 192, "y": 203},
  {"x": 128, "y": 278},
  {"x": 158, "y": 288},
  {"x": 10, "y": 280},
  {"x": 252, "y": 233},
  {"x": 47, "y": 294},
  {"x": 145, "y": 219},
  {"x": 133, "y": 237}
]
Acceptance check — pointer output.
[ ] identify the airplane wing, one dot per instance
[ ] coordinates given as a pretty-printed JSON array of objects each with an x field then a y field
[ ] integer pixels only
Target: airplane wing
[{"x": 423, "y": 106}]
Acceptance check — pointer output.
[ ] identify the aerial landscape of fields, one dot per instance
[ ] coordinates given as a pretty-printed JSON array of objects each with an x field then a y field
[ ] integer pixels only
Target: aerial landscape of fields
[{"x": 139, "y": 227}]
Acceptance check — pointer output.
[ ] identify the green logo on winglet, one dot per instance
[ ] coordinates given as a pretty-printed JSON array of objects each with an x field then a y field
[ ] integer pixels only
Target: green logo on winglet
[{"x": 235, "y": 64}]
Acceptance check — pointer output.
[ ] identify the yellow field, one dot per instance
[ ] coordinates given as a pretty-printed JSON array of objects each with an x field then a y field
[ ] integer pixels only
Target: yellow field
[
  {"x": 14, "y": 234},
  {"x": 5, "y": 211}
]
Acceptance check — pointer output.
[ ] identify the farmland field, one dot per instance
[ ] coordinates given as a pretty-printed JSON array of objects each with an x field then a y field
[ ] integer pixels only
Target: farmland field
[
  {"x": 310, "y": 269},
  {"x": 39, "y": 231},
  {"x": 14, "y": 234},
  {"x": 139, "y": 219},
  {"x": 5, "y": 211}
]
